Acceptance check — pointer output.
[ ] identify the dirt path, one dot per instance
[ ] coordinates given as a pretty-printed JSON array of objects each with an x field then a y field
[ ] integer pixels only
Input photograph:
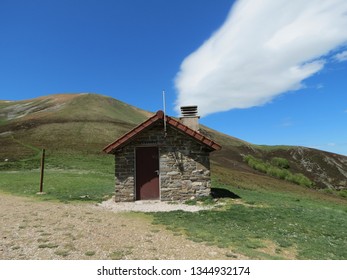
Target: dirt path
[{"x": 31, "y": 229}]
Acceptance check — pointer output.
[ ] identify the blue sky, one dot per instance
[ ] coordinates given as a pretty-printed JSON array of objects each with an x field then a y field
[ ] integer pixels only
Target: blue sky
[{"x": 258, "y": 73}]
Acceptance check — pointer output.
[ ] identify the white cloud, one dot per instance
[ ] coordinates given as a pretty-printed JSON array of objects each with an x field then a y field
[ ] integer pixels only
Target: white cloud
[
  {"x": 341, "y": 56},
  {"x": 263, "y": 49}
]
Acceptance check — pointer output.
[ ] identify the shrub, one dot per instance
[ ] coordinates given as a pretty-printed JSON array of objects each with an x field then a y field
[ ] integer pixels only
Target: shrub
[
  {"x": 302, "y": 180},
  {"x": 256, "y": 164},
  {"x": 278, "y": 168},
  {"x": 280, "y": 162},
  {"x": 342, "y": 193},
  {"x": 278, "y": 172}
]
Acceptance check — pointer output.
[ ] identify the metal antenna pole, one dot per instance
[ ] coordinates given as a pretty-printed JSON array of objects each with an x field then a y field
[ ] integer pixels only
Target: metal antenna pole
[{"x": 164, "y": 105}]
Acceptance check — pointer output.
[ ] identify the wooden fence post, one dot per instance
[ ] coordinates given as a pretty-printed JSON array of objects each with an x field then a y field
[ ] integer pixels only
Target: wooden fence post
[{"x": 42, "y": 170}]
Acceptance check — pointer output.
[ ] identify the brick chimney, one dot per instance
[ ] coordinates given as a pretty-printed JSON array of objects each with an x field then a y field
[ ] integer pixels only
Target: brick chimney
[{"x": 189, "y": 117}]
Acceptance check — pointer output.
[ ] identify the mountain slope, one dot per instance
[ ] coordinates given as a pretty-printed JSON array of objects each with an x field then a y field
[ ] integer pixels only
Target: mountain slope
[
  {"x": 326, "y": 170},
  {"x": 85, "y": 123},
  {"x": 66, "y": 122}
]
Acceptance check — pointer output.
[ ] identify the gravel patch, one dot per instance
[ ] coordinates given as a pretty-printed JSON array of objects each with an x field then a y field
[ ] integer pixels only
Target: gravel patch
[
  {"x": 149, "y": 206},
  {"x": 44, "y": 230}
]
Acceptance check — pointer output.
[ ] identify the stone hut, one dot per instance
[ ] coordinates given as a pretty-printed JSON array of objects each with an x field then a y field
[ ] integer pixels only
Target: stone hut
[{"x": 162, "y": 159}]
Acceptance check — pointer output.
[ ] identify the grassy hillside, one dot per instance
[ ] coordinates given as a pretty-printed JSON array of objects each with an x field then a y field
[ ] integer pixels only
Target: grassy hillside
[
  {"x": 326, "y": 171},
  {"x": 261, "y": 215},
  {"x": 85, "y": 123},
  {"x": 72, "y": 124},
  {"x": 73, "y": 128}
]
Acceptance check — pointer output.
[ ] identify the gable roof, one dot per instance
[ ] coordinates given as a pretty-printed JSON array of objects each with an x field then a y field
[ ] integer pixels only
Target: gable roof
[{"x": 129, "y": 136}]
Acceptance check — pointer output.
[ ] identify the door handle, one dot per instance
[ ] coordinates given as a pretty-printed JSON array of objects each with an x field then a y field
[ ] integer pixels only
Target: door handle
[{"x": 157, "y": 172}]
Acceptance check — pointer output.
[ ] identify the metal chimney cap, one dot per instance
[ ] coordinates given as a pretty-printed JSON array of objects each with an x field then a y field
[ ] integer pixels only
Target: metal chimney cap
[{"x": 189, "y": 111}]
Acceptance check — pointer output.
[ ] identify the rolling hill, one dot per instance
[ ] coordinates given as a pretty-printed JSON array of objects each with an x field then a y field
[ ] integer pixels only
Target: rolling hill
[{"x": 82, "y": 124}]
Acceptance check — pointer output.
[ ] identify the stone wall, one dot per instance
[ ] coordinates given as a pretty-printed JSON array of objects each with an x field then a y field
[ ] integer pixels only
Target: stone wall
[
  {"x": 184, "y": 165},
  {"x": 184, "y": 168},
  {"x": 125, "y": 175}
]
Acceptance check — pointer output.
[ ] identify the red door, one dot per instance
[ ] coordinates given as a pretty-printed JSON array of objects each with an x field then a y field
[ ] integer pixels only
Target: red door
[{"x": 147, "y": 173}]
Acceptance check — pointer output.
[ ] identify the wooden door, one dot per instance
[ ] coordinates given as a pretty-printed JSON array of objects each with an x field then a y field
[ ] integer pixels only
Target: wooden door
[{"x": 147, "y": 173}]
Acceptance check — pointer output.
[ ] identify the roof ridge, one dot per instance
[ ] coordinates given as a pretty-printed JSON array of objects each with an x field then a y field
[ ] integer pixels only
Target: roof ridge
[{"x": 118, "y": 143}]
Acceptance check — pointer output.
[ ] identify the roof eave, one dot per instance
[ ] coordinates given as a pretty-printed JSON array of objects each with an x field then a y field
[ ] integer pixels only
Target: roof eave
[{"x": 122, "y": 141}]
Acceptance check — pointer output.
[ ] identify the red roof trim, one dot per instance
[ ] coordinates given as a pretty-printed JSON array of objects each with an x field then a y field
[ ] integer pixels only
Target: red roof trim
[{"x": 120, "y": 142}]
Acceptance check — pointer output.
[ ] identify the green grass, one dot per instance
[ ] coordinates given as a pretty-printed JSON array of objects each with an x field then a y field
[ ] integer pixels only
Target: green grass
[
  {"x": 63, "y": 253},
  {"x": 296, "y": 227},
  {"x": 48, "y": 245},
  {"x": 66, "y": 178},
  {"x": 90, "y": 253},
  {"x": 272, "y": 147},
  {"x": 269, "y": 221},
  {"x": 59, "y": 185},
  {"x": 120, "y": 254},
  {"x": 102, "y": 107}
]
